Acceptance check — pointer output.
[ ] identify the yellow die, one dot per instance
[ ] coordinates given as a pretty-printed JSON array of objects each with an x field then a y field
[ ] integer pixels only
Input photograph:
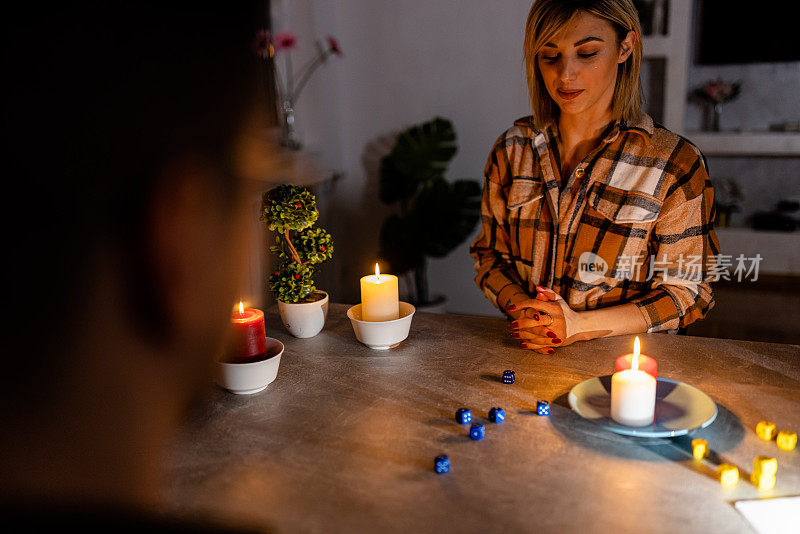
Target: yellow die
[
  {"x": 787, "y": 440},
  {"x": 764, "y": 465},
  {"x": 766, "y": 430},
  {"x": 728, "y": 474},
  {"x": 699, "y": 448},
  {"x": 763, "y": 481}
]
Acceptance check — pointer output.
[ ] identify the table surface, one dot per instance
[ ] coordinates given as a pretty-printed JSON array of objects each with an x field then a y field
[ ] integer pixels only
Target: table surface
[{"x": 344, "y": 439}]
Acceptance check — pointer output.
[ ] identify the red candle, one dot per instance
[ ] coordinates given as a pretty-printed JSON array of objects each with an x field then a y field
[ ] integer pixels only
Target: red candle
[
  {"x": 646, "y": 364},
  {"x": 248, "y": 338}
]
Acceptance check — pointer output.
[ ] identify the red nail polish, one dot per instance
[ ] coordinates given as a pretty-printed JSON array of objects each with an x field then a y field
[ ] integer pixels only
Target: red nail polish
[
  {"x": 551, "y": 334},
  {"x": 515, "y": 324},
  {"x": 515, "y": 334},
  {"x": 551, "y": 351},
  {"x": 556, "y": 340},
  {"x": 512, "y": 307}
]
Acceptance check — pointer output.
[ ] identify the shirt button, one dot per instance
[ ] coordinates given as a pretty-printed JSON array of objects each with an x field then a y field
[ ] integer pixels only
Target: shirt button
[{"x": 579, "y": 172}]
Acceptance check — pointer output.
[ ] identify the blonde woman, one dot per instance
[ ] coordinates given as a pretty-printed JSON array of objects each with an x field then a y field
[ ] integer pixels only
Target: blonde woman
[{"x": 596, "y": 221}]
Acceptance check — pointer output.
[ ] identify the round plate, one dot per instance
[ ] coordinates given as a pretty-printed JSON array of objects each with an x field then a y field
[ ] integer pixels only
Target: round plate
[{"x": 680, "y": 408}]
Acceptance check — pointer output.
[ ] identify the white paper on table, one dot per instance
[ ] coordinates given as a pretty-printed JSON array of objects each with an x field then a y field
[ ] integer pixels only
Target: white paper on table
[{"x": 771, "y": 516}]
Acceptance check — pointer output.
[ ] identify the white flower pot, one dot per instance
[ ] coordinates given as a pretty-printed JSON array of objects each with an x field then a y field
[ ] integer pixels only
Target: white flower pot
[{"x": 304, "y": 319}]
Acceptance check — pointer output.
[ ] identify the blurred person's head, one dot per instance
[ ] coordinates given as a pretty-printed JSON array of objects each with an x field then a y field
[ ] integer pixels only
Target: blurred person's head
[
  {"x": 583, "y": 58},
  {"x": 123, "y": 233}
]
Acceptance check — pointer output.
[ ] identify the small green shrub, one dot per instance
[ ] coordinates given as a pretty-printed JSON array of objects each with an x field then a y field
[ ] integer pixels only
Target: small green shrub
[{"x": 291, "y": 212}]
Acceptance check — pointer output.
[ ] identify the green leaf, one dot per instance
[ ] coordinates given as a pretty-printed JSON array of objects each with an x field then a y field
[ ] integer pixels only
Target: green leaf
[
  {"x": 292, "y": 282},
  {"x": 420, "y": 154},
  {"x": 288, "y": 207},
  {"x": 445, "y": 214},
  {"x": 399, "y": 246}
]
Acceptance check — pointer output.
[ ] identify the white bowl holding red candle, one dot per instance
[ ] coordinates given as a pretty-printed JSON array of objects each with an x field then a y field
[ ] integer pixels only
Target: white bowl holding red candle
[
  {"x": 253, "y": 375},
  {"x": 382, "y": 335}
]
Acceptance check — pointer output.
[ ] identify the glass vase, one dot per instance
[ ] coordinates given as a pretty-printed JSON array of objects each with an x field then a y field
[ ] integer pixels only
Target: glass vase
[
  {"x": 716, "y": 111},
  {"x": 289, "y": 137}
]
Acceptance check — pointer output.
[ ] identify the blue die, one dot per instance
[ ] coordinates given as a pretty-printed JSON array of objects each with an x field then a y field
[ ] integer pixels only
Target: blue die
[
  {"x": 441, "y": 464},
  {"x": 496, "y": 415},
  {"x": 477, "y": 431},
  {"x": 508, "y": 376},
  {"x": 463, "y": 416},
  {"x": 542, "y": 407}
]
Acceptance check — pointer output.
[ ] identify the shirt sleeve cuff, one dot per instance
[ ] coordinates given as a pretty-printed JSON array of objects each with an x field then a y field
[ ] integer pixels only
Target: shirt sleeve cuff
[
  {"x": 660, "y": 310},
  {"x": 506, "y": 294}
]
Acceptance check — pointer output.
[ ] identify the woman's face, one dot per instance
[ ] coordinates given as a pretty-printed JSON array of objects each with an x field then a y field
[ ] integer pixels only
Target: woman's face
[{"x": 579, "y": 65}]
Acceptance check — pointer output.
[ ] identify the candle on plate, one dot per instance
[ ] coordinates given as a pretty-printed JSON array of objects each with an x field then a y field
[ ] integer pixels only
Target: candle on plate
[
  {"x": 633, "y": 394},
  {"x": 379, "y": 297},
  {"x": 248, "y": 337}
]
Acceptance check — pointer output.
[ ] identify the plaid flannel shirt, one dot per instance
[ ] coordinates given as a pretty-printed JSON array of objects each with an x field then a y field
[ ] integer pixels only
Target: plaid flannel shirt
[{"x": 633, "y": 223}]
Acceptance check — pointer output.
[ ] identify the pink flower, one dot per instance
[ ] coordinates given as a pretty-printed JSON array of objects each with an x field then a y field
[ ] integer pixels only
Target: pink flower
[
  {"x": 718, "y": 91},
  {"x": 285, "y": 41},
  {"x": 333, "y": 46},
  {"x": 261, "y": 44}
]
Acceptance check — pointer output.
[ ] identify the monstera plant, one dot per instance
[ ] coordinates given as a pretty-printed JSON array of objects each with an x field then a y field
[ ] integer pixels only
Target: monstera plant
[{"x": 434, "y": 215}]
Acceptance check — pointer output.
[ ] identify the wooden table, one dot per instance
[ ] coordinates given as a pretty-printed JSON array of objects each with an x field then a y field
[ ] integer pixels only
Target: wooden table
[{"x": 344, "y": 439}]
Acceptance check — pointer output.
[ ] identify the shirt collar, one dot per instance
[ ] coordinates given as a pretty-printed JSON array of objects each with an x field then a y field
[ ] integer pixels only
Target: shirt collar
[{"x": 643, "y": 126}]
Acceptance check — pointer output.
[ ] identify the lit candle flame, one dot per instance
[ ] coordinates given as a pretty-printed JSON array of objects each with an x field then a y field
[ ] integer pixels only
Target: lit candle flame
[
  {"x": 241, "y": 308},
  {"x": 377, "y": 273},
  {"x": 635, "y": 359}
]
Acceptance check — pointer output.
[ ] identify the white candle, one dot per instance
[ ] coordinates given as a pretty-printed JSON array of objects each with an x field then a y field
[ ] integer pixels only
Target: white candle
[
  {"x": 633, "y": 394},
  {"x": 379, "y": 297}
]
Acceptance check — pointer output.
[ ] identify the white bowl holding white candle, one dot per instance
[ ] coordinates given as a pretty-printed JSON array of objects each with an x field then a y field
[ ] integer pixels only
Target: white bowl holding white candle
[
  {"x": 382, "y": 335},
  {"x": 246, "y": 378}
]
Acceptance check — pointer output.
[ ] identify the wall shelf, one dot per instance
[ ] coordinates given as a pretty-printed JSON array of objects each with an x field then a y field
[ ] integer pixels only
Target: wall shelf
[{"x": 747, "y": 143}]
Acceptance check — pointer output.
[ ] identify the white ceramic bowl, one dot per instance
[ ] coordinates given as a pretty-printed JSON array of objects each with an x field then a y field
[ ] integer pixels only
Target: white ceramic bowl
[
  {"x": 381, "y": 335},
  {"x": 251, "y": 377}
]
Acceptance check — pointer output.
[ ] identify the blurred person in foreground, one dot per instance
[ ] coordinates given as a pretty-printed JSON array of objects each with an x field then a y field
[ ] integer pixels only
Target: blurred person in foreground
[{"x": 122, "y": 138}]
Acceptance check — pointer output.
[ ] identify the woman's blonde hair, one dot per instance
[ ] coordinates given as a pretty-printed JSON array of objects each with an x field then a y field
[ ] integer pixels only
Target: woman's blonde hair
[{"x": 547, "y": 17}]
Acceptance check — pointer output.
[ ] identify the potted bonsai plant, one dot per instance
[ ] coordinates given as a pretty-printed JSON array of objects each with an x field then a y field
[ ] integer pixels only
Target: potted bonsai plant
[
  {"x": 291, "y": 212},
  {"x": 434, "y": 215}
]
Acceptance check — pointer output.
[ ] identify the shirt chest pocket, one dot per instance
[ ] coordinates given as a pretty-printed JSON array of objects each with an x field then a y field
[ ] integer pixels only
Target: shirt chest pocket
[
  {"x": 616, "y": 226},
  {"x": 524, "y": 192},
  {"x": 624, "y": 207}
]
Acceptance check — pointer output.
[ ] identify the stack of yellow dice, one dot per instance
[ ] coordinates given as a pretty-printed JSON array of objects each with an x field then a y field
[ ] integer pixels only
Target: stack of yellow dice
[{"x": 764, "y": 471}]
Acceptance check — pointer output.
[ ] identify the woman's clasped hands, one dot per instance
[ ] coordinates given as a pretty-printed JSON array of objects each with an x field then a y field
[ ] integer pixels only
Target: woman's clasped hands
[{"x": 544, "y": 322}]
